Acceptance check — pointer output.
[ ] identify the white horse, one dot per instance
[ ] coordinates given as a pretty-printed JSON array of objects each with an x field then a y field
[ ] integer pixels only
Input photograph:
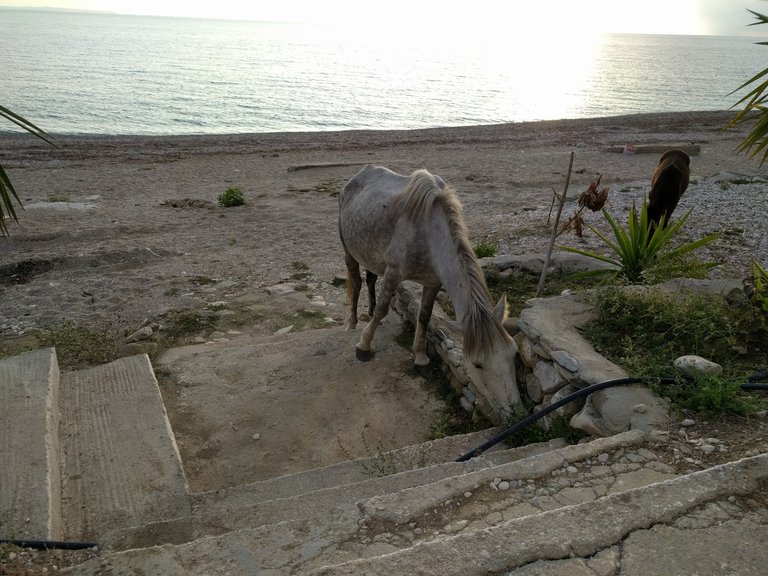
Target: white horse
[{"x": 412, "y": 228}]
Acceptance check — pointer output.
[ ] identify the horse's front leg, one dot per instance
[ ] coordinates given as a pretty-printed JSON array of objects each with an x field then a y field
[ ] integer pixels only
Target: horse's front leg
[
  {"x": 388, "y": 287},
  {"x": 428, "y": 296}
]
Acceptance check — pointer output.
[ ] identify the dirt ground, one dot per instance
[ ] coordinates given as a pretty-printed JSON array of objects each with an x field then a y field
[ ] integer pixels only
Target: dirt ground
[{"x": 140, "y": 236}]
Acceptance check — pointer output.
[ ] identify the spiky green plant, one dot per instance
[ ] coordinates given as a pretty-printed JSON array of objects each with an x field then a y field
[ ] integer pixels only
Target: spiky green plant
[
  {"x": 7, "y": 192},
  {"x": 640, "y": 246}
]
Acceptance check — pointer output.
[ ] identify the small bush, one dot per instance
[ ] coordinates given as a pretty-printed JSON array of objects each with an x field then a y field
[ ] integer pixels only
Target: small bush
[
  {"x": 486, "y": 249},
  {"x": 55, "y": 197},
  {"x": 232, "y": 197}
]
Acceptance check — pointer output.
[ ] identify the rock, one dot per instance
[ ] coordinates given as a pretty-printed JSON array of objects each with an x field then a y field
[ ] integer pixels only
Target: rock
[
  {"x": 610, "y": 411},
  {"x": 285, "y": 330},
  {"x": 640, "y": 408},
  {"x": 707, "y": 448},
  {"x": 695, "y": 366},
  {"x": 570, "y": 409},
  {"x": 144, "y": 333},
  {"x": 687, "y": 423},
  {"x": 456, "y": 356},
  {"x": 549, "y": 378},
  {"x": 281, "y": 289}
]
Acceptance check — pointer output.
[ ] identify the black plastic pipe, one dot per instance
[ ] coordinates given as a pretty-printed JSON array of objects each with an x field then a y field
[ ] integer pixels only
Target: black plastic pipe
[
  {"x": 49, "y": 544},
  {"x": 527, "y": 421}
]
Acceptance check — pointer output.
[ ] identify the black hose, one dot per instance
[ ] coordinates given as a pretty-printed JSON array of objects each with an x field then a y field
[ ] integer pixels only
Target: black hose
[
  {"x": 49, "y": 544},
  {"x": 527, "y": 421}
]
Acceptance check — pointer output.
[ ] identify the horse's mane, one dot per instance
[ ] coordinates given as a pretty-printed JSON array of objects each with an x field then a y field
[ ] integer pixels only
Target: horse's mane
[{"x": 481, "y": 328}]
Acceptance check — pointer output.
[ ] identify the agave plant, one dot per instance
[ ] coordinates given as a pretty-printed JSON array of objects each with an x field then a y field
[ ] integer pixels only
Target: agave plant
[
  {"x": 7, "y": 192},
  {"x": 641, "y": 245}
]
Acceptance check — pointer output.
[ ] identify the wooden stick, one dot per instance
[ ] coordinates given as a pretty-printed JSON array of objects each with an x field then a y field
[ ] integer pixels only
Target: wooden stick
[{"x": 554, "y": 230}]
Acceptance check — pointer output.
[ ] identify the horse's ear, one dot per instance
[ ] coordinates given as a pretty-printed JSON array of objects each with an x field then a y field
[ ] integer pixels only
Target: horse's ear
[{"x": 501, "y": 311}]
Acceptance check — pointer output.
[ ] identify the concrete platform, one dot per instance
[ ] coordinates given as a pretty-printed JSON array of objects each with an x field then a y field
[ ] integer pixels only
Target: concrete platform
[
  {"x": 30, "y": 502},
  {"x": 121, "y": 462}
]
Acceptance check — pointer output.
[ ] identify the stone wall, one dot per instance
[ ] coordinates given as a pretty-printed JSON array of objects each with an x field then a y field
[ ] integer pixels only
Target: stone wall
[{"x": 554, "y": 360}]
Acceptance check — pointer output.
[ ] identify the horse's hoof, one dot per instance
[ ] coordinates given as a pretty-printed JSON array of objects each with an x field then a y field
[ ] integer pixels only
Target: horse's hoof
[
  {"x": 422, "y": 370},
  {"x": 363, "y": 355}
]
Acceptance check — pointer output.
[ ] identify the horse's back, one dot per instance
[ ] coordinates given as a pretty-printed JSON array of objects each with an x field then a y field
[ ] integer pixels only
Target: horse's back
[
  {"x": 371, "y": 217},
  {"x": 373, "y": 180}
]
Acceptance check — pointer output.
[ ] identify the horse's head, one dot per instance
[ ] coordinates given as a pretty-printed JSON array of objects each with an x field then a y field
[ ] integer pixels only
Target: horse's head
[{"x": 493, "y": 368}]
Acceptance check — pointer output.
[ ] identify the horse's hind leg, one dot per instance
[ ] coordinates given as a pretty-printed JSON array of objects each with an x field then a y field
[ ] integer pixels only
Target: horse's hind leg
[
  {"x": 428, "y": 295},
  {"x": 370, "y": 281},
  {"x": 354, "y": 283},
  {"x": 388, "y": 287}
]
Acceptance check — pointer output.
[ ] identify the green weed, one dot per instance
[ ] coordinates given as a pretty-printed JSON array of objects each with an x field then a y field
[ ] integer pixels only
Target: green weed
[
  {"x": 486, "y": 249},
  {"x": 231, "y": 197}
]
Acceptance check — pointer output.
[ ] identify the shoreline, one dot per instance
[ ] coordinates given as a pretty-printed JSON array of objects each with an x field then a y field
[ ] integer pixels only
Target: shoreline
[{"x": 671, "y": 120}]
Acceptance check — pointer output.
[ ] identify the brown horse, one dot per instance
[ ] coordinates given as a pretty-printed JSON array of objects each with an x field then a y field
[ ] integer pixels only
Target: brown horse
[
  {"x": 669, "y": 182},
  {"x": 412, "y": 228}
]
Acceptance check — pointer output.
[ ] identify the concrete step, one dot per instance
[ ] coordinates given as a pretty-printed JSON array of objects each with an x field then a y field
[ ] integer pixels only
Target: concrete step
[
  {"x": 30, "y": 487},
  {"x": 384, "y": 463},
  {"x": 366, "y": 528},
  {"x": 707, "y": 523},
  {"x": 703, "y": 523},
  {"x": 120, "y": 462},
  {"x": 267, "y": 502}
]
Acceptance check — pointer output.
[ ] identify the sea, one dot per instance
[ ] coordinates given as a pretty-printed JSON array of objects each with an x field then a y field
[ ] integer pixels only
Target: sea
[{"x": 90, "y": 73}]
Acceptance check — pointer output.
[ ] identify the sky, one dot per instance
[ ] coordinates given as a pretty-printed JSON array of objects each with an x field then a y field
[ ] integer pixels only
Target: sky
[{"x": 720, "y": 17}]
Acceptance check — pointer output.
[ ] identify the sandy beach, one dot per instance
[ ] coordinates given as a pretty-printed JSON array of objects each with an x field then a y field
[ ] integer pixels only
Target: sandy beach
[{"x": 140, "y": 232}]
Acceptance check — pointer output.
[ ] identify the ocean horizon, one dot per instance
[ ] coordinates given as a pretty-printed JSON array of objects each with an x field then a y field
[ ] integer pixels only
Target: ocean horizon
[{"x": 106, "y": 74}]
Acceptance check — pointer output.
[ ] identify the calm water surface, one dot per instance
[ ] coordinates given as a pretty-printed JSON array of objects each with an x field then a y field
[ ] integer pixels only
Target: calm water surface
[{"x": 107, "y": 74}]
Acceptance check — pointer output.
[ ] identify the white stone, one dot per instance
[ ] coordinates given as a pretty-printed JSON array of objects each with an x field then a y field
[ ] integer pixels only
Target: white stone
[
  {"x": 549, "y": 378},
  {"x": 503, "y": 485},
  {"x": 141, "y": 334},
  {"x": 640, "y": 408},
  {"x": 281, "y": 289},
  {"x": 256, "y": 436},
  {"x": 284, "y": 330},
  {"x": 687, "y": 423},
  {"x": 695, "y": 366},
  {"x": 707, "y": 448}
]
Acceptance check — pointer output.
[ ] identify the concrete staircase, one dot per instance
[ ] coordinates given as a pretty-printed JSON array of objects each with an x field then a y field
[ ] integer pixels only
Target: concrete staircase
[{"x": 99, "y": 461}]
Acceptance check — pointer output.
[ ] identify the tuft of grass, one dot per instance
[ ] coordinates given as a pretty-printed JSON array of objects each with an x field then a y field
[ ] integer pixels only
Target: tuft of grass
[
  {"x": 231, "y": 197},
  {"x": 78, "y": 346},
  {"x": 521, "y": 286},
  {"x": 300, "y": 270},
  {"x": 714, "y": 395},
  {"x": 56, "y": 197},
  {"x": 486, "y": 249},
  {"x": 305, "y": 320},
  {"x": 338, "y": 282},
  {"x": 644, "y": 332},
  {"x": 184, "y": 323}
]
